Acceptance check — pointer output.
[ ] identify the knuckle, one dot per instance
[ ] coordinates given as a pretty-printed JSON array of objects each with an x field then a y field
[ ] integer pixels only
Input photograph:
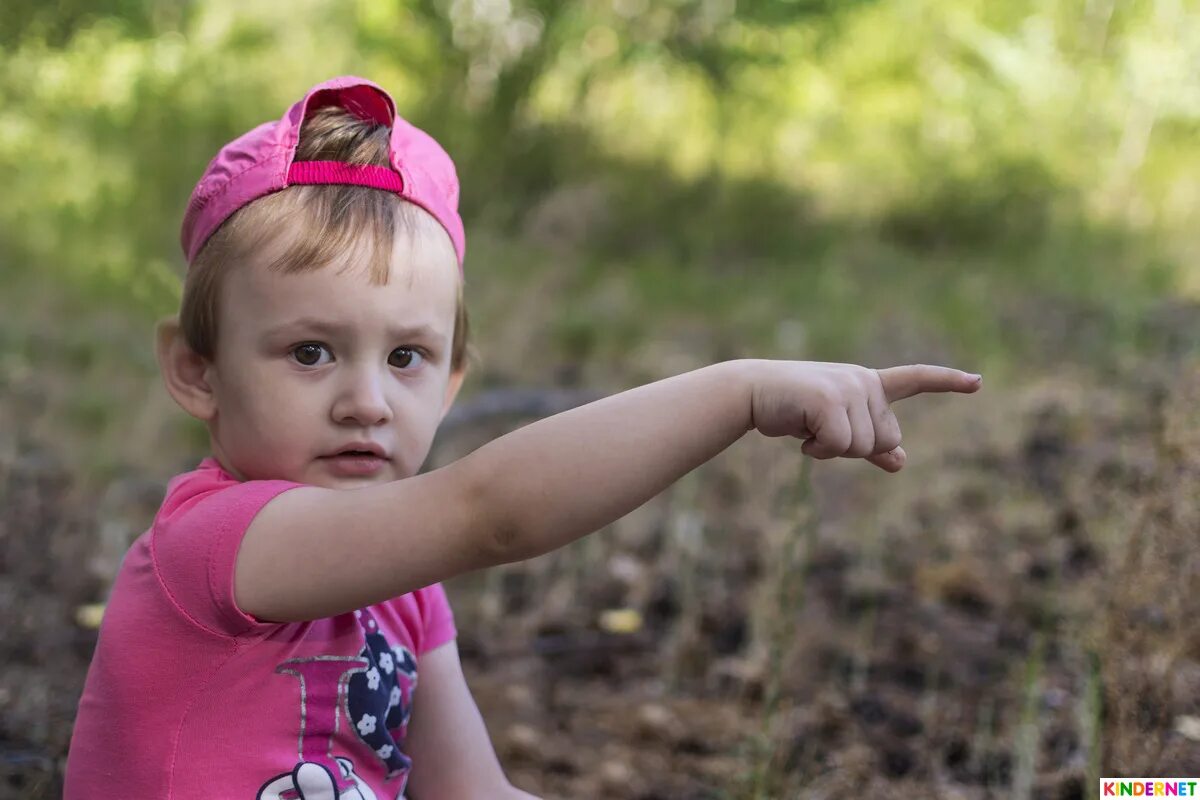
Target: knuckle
[
  {"x": 887, "y": 442},
  {"x": 827, "y": 393},
  {"x": 863, "y": 447},
  {"x": 843, "y": 389},
  {"x": 851, "y": 379}
]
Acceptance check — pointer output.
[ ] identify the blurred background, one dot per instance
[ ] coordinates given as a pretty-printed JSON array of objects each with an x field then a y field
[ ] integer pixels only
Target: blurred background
[{"x": 1009, "y": 187}]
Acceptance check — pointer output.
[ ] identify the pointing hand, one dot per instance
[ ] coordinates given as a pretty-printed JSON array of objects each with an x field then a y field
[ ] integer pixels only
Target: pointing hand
[{"x": 844, "y": 409}]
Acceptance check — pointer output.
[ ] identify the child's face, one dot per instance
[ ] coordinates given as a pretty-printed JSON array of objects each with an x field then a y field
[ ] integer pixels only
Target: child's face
[{"x": 289, "y": 393}]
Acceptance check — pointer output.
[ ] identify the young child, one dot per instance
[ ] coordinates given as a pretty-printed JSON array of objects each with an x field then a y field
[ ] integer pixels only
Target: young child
[{"x": 265, "y": 638}]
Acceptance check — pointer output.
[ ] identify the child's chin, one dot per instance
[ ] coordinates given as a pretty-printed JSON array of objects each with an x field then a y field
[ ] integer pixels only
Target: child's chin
[
  {"x": 351, "y": 482},
  {"x": 335, "y": 481}
]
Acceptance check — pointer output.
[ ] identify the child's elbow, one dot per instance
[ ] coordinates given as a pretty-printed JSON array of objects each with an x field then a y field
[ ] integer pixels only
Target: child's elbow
[{"x": 497, "y": 529}]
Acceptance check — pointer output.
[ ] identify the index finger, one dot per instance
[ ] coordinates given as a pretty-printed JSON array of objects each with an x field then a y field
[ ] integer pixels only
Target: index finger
[{"x": 905, "y": 381}]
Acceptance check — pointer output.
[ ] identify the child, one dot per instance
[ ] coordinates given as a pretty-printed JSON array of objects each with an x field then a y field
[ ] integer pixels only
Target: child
[{"x": 264, "y": 638}]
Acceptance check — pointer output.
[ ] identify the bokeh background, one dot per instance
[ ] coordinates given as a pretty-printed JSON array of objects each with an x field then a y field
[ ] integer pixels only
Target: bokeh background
[{"x": 1006, "y": 186}]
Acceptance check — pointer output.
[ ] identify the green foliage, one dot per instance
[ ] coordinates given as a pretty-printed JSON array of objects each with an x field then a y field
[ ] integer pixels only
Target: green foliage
[
  {"x": 801, "y": 139},
  {"x": 56, "y": 23}
]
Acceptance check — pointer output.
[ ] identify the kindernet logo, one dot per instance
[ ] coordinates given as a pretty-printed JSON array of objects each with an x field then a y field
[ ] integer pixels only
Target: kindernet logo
[{"x": 1149, "y": 787}]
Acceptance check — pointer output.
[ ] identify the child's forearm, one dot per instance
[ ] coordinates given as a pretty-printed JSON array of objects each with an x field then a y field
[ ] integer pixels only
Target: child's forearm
[{"x": 563, "y": 477}]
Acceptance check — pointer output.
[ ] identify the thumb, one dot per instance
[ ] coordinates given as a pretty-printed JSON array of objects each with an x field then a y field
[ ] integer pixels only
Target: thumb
[{"x": 891, "y": 461}]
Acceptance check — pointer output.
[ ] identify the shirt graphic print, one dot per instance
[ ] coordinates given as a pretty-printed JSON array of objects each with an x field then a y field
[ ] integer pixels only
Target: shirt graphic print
[{"x": 377, "y": 688}]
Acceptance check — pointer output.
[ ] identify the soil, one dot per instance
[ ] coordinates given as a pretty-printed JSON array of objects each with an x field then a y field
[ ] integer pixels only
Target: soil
[{"x": 1013, "y": 615}]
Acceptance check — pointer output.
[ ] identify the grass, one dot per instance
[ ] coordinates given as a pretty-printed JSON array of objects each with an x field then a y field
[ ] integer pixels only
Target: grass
[
  {"x": 792, "y": 550},
  {"x": 1026, "y": 742}
]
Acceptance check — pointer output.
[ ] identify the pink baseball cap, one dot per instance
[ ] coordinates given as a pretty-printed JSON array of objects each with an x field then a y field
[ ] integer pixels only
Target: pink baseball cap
[{"x": 259, "y": 162}]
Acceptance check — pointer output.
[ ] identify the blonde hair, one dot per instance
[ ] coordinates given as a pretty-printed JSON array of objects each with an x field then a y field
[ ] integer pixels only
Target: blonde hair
[{"x": 331, "y": 220}]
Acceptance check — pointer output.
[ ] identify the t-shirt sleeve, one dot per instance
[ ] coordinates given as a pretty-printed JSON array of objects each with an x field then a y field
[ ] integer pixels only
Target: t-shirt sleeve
[
  {"x": 195, "y": 551},
  {"x": 436, "y": 616}
]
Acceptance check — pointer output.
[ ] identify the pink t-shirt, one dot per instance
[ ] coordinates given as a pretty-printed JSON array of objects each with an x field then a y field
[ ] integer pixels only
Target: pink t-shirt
[{"x": 188, "y": 697}]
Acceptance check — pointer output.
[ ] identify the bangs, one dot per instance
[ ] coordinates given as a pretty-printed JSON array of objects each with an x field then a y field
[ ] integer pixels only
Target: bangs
[{"x": 305, "y": 228}]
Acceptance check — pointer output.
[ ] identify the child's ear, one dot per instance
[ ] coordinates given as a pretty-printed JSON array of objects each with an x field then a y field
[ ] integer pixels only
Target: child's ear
[
  {"x": 456, "y": 382},
  {"x": 184, "y": 372}
]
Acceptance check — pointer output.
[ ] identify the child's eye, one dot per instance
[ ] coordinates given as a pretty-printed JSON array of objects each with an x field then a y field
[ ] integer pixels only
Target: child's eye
[
  {"x": 402, "y": 357},
  {"x": 309, "y": 354}
]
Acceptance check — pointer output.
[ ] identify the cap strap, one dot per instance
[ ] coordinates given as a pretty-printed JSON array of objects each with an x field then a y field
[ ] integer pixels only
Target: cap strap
[{"x": 323, "y": 172}]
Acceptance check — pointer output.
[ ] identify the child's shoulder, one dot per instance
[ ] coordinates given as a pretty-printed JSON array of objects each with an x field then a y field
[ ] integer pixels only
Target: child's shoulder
[
  {"x": 188, "y": 553},
  {"x": 209, "y": 488}
]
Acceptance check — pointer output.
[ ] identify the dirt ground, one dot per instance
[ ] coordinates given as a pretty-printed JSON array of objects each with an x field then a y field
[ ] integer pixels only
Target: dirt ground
[{"x": 1014, "y": 617}]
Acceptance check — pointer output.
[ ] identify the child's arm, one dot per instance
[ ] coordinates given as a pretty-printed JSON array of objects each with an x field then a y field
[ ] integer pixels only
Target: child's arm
[
  {"x": 447, "y": 741},
  {"x": 313, "y": 552}
]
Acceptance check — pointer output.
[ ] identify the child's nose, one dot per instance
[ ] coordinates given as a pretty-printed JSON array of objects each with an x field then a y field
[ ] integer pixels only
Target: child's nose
[{"x": 362, "y": 399}]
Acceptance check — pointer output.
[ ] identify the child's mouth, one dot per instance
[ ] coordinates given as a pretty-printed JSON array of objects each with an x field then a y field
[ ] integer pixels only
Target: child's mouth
[{"x": 354, "y": 463}]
